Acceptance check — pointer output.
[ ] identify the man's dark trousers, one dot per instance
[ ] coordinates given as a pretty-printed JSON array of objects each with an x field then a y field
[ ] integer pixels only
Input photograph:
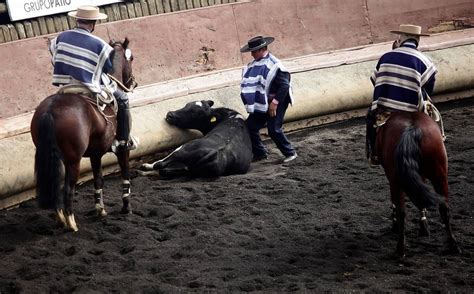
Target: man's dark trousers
[{"x": 258, "y": 120}]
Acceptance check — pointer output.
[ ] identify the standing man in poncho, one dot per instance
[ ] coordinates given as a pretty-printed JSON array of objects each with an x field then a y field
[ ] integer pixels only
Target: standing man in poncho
[{"x": 266, "y": 93}]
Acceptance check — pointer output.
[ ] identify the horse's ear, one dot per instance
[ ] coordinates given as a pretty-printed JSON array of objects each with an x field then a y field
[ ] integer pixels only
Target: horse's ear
[
  {"x": 125, "y": 43},
  {"x": 209, "y": 102},
  {"x": 111, "y": 42}
]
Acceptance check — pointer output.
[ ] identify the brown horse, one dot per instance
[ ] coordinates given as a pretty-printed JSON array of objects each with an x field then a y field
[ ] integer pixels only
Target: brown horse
[
  {"x": 67, "y": 127},
  {"x": 411, "y": 151}
]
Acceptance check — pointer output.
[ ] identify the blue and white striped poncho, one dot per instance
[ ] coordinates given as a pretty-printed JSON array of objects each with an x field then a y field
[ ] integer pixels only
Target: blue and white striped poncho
[
  {"x": 400, "y": 77},
  {"x": 79, "y": 56},
  {"x": 257, "y": 78}
]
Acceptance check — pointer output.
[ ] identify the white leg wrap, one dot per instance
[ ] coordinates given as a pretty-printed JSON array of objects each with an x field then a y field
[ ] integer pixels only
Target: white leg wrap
[
  {"x": 147, "y": 166},
  {"x": 126, "y": 188},
  {"x": 71, "y": 223},
  {"x": 60, "y": 217}
]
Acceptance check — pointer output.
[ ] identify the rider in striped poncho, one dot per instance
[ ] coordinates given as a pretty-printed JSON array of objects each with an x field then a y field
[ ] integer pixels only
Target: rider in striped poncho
[
  {"x": 80, "y": 57},
  {"x": 402, "y": 80}
]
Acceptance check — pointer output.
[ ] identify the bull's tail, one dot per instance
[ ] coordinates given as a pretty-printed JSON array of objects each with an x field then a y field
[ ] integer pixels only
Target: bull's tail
[
  {"x": 407, "y": 158},
  {"x": 48, "y": 163}
]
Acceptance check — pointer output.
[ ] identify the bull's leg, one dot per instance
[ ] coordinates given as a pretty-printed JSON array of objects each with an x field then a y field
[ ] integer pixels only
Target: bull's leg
[
  {"x": 96, "y": 164},
  {"x": 174, "y": 169},
  {"x": 71, "y": 176},
  {"x": 424, "y": 229},
  {"x": 147, "y": 169},
  {"x": 123, "y": 159}
]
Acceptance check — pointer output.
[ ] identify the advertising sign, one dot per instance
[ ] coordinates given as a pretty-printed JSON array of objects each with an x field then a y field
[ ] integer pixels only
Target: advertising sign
[{"x": 23, "y": 9}]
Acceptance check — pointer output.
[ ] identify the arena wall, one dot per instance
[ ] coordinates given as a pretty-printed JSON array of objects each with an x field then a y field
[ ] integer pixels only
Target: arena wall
[
  {"x": 175, "y": 45},
  {"x": 327, "y": 83}
]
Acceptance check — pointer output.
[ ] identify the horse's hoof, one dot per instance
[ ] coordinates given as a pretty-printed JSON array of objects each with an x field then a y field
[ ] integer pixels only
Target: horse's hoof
[
  {"x": 146, "y": 167},
  {"x": 424, "y": 228},
  {"x": 400, "y": 252},
  {"x": 424, "y": 232},
  {"x": 100, "y": 211},
  {"x": 71, "y": 223},
  {"x": 400, "y": 255},
  {"x": 454, "y": 249},
  {"x": 73, "y": 230},
  {"x": 126, "y": 211},
  {"x": 61, "y": 219}
]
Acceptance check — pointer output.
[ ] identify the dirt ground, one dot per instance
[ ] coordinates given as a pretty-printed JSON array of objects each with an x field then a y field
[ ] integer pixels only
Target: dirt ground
[{"x": 320, "y": 223}]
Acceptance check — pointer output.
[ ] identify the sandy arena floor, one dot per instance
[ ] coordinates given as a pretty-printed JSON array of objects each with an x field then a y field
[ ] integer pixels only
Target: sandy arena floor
[{"x": 320, "y": 223}]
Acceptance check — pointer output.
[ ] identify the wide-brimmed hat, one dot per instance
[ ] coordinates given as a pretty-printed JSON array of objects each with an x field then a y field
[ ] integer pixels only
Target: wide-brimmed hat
[
  {"x": 409, "y": 29},
  {"x": 87, "y": 12},
  {"x": 256, "y": 43}
]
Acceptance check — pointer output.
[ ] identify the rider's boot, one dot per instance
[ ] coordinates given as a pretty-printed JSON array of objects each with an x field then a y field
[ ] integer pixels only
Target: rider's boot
[{"x": 124, "y": 124}]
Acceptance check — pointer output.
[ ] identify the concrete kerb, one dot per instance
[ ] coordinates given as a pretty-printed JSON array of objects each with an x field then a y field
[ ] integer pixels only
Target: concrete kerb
[
  {"x": 153, "y": 93},
  {"x": 336, "y": 89},
  {"x": 228, "y": 77}
]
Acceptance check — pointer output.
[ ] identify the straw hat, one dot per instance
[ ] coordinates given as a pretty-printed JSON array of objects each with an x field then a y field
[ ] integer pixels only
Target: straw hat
[
  {"x": 88, "y": 13},
  {"x": 409, "y": 29},
  {"x": 256, "y": 43}
]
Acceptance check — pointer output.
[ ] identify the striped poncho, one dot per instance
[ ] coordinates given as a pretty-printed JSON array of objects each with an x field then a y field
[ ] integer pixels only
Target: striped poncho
[
  {"x": 257, "y": 78},
  {"x": 401, "y": 78},
  {"x": 80, "y": 57}
]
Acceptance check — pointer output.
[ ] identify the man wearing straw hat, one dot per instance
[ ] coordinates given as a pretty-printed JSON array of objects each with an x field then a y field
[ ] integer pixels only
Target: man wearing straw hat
[
  {"x": 80, "y": 57},
  {"x": 266, "y": 93},
  {"x": 403, "y": 79}
]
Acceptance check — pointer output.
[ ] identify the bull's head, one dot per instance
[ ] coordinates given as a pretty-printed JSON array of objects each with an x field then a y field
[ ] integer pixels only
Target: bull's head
[{"x": 196, "y": 115}]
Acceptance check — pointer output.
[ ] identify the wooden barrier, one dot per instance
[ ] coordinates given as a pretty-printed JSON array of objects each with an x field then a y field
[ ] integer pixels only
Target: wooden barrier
[{"x": 115, "y": 12}]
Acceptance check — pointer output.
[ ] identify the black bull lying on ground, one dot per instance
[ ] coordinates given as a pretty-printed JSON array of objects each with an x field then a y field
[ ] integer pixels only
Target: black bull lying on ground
[{"x": 224, "y": 149}]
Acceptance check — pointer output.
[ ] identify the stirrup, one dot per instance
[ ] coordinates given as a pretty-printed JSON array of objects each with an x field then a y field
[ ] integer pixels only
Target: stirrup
[
  {"x": 131, "y": 144},
  {"x": 374, "y": 160}
]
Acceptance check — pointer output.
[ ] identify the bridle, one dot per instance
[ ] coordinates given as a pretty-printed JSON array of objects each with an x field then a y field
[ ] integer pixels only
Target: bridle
[{"x": 131, "y": 80}]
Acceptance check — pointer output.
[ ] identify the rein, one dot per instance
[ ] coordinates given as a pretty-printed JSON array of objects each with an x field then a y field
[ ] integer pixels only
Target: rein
[
  {"x": 101, "y": 107},
  {"x": 121, "y": 85}
]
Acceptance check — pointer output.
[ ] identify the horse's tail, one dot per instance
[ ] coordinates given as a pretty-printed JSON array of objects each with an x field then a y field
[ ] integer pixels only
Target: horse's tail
[
  {"x": 48, "y": 163},
  {"x": 407, "y": 157}
]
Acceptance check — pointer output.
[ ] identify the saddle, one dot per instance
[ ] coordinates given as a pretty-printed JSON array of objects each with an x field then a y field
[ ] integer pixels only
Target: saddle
[
  {"x": 428, "y": 108},
  {"x": 101, "y": 100}
]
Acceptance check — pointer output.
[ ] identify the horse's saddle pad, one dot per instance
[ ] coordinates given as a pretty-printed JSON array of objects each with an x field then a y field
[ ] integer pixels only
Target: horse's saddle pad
[
  {"x": 104, "y": 97},
  {"x": 382, "y": 118},
  {"x": 76, "y": 89}
]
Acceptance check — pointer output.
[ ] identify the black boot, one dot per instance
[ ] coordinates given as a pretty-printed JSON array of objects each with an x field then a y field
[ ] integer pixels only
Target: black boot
[{"x": 124, "y": 124}]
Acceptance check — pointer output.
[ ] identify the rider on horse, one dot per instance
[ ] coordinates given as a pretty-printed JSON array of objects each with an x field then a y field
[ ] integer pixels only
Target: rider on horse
[
  {"x": 79, "y": 57},
  {"x": 403, "y": 79}
]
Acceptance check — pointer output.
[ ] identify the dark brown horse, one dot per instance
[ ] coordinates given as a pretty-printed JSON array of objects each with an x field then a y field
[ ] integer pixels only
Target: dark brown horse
[
  {"x": 411, "y": 151},
  {"x": 67, "y": 127}
]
